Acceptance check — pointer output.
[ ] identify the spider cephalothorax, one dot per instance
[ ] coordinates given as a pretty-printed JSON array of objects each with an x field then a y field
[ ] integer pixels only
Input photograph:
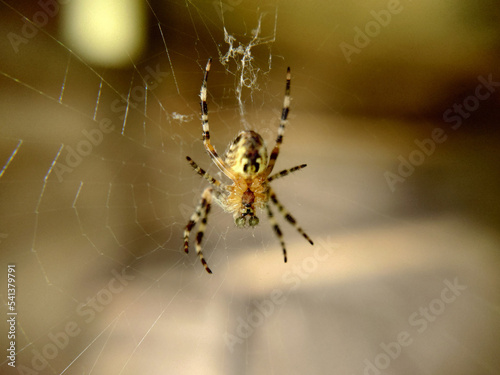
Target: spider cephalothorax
[{"x": 247, "y": 165}]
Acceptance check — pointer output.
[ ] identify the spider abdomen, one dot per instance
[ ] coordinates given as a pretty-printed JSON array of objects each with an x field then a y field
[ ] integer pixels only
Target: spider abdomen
[{"x": 247, "y": 154}]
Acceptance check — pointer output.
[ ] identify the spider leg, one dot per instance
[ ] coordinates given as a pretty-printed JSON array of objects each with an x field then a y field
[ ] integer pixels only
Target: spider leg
[
  {"x": 202, "y": 172},
  {"x": 281, "y": 129},
  {"x": 202, "y": 211},
  {"x": 206, "y": 130},
  {"x": 285, "y": 172},
  {"x": 287, "y": 216},
  {"x": 277, "y": 230},
  {"x": 192, "y": 222}
]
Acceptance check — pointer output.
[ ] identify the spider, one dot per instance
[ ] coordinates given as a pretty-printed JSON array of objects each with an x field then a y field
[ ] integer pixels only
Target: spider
[{"x": 247, "y": 165}]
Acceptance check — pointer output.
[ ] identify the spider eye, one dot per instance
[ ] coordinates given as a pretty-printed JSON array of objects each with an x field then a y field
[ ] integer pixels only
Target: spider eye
[
  {"x": 253, "y": 221},
  {"x": 240, "y": 221}
]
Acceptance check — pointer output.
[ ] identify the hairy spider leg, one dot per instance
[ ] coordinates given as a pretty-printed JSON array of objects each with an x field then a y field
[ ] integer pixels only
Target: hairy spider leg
[
  {"x": 287, "y": 216},
  {"x": 285, "y": 172},
  {"x": 202, "y": 211},
  {"x": 276, "y": 229},
  {"x": 281, "y": 129},
  {"x": 206, "y": 130},
  {"x": 202, "y": 172}
]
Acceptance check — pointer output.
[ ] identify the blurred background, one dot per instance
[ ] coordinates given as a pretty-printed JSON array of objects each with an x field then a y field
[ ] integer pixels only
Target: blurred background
[{"x": 395, "y": 110}]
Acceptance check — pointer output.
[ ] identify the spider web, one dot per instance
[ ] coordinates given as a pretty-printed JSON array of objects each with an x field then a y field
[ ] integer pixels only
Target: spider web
[
  {"x": 97, "y": 174},
  {"x": 95, "y": 193}
]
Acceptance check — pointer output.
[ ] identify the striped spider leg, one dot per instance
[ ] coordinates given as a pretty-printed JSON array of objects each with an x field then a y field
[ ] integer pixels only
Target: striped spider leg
[
  {"x": 247, "y": 165},
  {"x": 202, "y": 211}
]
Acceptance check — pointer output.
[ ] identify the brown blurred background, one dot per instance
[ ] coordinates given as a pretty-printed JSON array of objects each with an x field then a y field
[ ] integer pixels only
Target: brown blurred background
[{"x": 395, "y": 110}]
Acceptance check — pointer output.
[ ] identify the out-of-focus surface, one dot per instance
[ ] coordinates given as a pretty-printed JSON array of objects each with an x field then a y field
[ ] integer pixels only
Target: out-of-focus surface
[{"x": 395, "y": 111}]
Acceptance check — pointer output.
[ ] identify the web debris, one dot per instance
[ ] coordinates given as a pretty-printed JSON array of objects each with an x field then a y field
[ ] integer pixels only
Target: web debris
[
  {"x": 247, "y": 73},
  {"x": 181, "y": 118}
]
